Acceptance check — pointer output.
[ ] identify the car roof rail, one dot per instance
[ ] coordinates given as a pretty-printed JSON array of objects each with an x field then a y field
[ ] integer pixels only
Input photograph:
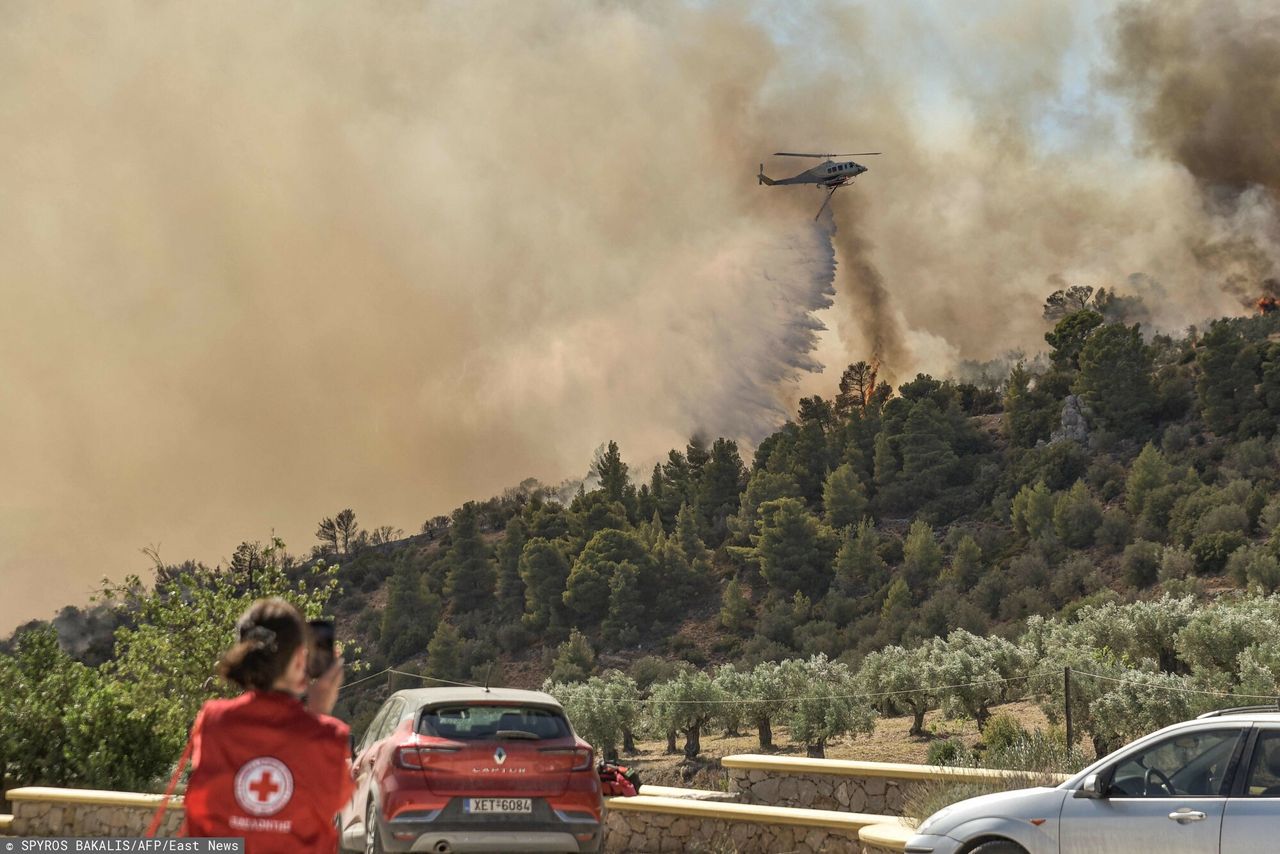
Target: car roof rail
[{"x": 1271, "y": 707}]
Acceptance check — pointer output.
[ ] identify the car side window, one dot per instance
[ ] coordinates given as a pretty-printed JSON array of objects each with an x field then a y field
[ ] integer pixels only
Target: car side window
[
  {"x": 1186, "y": 764},
  {"x": 1264, "y": 768},
  {"x": 392, "y": 719},
  {"x": 371, "y": 732}
]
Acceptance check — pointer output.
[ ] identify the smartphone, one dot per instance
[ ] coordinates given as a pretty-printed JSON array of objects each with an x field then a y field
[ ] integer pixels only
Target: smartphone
[{"x": 320, "y": 656}]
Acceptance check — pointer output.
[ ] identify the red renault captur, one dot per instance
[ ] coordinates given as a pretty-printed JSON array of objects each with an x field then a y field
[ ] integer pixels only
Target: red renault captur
[{"x": 473, "y": 770}]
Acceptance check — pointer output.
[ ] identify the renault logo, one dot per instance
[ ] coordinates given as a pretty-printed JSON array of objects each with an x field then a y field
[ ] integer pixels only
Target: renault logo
[{"x": 499, "y": 756}]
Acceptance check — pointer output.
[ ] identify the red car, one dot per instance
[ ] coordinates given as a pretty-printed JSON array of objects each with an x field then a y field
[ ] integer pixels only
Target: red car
[{"x": 467, "y": 769}]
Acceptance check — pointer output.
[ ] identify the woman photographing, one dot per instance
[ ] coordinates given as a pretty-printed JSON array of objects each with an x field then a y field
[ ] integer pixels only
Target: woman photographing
[{"x": 265, "y": 765}]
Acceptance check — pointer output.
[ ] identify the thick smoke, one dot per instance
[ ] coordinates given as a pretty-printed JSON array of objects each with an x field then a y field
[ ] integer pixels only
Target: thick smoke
[
  {"x": 264, "y": 261},
  {"x": 1206, "y": 78},
  {"x": 268, "y": 260}
]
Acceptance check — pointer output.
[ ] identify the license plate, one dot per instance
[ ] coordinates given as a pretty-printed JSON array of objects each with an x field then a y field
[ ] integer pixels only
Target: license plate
[{"x": 499, "y": 805}]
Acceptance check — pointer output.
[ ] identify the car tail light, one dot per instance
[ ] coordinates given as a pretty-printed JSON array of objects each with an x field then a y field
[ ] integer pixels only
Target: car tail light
[
  {"x": 583, "y": 757},
  {"x": 418, "y": 757}
]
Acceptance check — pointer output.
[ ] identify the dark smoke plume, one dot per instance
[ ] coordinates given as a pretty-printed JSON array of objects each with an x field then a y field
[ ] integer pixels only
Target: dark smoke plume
[{"x": 1205, "y": 75}]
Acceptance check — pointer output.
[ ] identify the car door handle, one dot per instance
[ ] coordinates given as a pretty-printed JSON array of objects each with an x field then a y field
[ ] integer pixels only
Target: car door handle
[{"x": 1186, "y": 814}]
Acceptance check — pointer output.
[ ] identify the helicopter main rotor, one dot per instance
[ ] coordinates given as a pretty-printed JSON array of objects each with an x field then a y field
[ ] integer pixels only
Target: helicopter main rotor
[{"x": 828, "y": 156}]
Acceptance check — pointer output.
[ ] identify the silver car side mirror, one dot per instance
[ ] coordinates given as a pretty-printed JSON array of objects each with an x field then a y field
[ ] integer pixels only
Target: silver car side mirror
[{"x": 1091, "y": 787}]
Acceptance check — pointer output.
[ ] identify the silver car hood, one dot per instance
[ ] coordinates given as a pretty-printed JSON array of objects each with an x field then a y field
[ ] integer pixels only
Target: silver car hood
[{"x": 1020, "y": 804}]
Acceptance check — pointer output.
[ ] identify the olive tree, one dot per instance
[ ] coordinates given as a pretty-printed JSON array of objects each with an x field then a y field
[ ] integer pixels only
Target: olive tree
[
  {"x": 977, "y": 673},
  {"x": 686, "y": 704},
  {"x": 735, "y": 684},
  {"x": 900, "y": 681},
  {"x": 603, "y": 709},
  {"x": 824, "y": 700}
]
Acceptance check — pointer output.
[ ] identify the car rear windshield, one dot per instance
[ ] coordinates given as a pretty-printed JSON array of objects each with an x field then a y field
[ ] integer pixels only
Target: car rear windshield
[{"x": 477, "y": 721}]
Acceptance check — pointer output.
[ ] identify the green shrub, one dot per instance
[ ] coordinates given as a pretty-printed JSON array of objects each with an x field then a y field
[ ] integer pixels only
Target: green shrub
[
  {"x": 1076, "y": 516},
  {"x": 1141, "y": 563},
  {"x": 1115, "y": 530},
  {"x": 1211, "y": 551},
  {"x": 1002, "y": 731},
  {"x": 1039, "y": 753},
  {"x": 1255, "y": 567},
  {"x": 1176, "y": 563},
  {"x": 950, "y": 751}
]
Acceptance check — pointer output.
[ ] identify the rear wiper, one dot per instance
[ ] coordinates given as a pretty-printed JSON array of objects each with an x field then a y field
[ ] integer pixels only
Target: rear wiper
[{"x": 517, "y": 733}]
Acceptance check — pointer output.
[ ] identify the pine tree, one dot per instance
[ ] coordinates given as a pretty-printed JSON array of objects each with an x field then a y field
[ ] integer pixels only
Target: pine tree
[
  {"x": 856, "y": 384},
  {"x": 625, "y": 615},
  {"x": 812, "y": 452},
  {"x": 510, "y": 585},
  {"x": 410, "y": 614},
  {"x": 575, "y": 660},
  {"x": 687, "y": 534},
  {"x": 586, "y": 593},
  {"x": 612, "y": 472},
  {"x": 1076, "y": 516},
  {"x": 794, "y": 551},
  {"x": 886, "y": 463},
  {"x": 966, "y": 563},
  {"x": 921, "y": 555},
  {"x": 444, "y": 653},
  {"x": 544, "y": 570},
  {"x": 927, "y": 458},
  {"x": 720, "y": 489},
  {"x": 1115, "y": 380},
  {"x": 735, "y": 610},
  {"x": 1068, "y": 337},
  {"x": 844, "y": 500},
  {"x": 675, "y": 489},
  {"x": 897, "y": 603},
  {"x": 762, "y": 486},
  {"x": 859, "y": 567},
  {"x": 1148, "y": 473},
  {"x": 1029, "y": 413},
  {"x": 469, "y": 584},
  {"x": 1032, "y": 510}
]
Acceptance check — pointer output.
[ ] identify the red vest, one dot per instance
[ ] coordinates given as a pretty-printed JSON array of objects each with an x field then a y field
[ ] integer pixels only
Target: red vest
[{"x": 267, "y": 770}]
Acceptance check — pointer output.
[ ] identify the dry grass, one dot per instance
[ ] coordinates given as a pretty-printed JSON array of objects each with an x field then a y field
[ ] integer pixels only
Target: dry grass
[{"x": 889, "y": 743}]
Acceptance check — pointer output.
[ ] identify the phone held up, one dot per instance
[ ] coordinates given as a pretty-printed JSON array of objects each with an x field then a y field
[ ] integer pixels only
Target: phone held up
[{"x": 320, "y": 655}]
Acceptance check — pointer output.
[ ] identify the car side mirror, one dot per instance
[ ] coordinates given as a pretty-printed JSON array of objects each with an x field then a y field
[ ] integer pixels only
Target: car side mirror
[{"x": 1093, "y": 787}]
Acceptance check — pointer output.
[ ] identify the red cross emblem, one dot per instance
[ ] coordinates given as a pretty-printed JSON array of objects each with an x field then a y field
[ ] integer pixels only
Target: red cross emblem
[{"x": 263, "y": 786}]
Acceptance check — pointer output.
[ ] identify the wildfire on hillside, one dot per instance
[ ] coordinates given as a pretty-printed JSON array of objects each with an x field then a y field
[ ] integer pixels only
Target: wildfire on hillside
[
  {"x": 870, "y": 387},
  {"x": 1270, "y": 299}
]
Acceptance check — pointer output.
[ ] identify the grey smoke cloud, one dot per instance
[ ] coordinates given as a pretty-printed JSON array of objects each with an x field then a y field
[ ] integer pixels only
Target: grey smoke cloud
[{"x": 264, "y": 261}]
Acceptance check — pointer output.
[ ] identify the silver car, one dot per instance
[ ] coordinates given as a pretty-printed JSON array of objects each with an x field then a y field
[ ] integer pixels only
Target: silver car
[{"x": 1197, "y": 787}]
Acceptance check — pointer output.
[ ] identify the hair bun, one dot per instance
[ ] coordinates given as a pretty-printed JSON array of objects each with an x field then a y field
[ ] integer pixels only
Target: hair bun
[{"x": 262, "y": 638}]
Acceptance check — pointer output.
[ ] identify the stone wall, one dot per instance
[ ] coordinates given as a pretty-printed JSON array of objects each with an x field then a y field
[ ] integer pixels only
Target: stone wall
[
  {"x": 882, "y": 795},
  {"x": 844, "y": 785},
  {"x": 68, "y": 813},
  {"x": 655, "y": 832}
]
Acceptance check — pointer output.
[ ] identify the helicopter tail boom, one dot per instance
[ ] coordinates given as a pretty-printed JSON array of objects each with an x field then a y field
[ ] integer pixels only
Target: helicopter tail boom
[{"x": 763, "y": 178}]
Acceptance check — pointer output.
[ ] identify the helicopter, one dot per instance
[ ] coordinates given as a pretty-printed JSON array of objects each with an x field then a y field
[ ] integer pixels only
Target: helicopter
[{"x": 829, "y": 174}]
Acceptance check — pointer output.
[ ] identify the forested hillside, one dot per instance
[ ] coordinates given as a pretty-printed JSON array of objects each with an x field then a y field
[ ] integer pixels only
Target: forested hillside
[{"x": 1119, "y": 466}]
